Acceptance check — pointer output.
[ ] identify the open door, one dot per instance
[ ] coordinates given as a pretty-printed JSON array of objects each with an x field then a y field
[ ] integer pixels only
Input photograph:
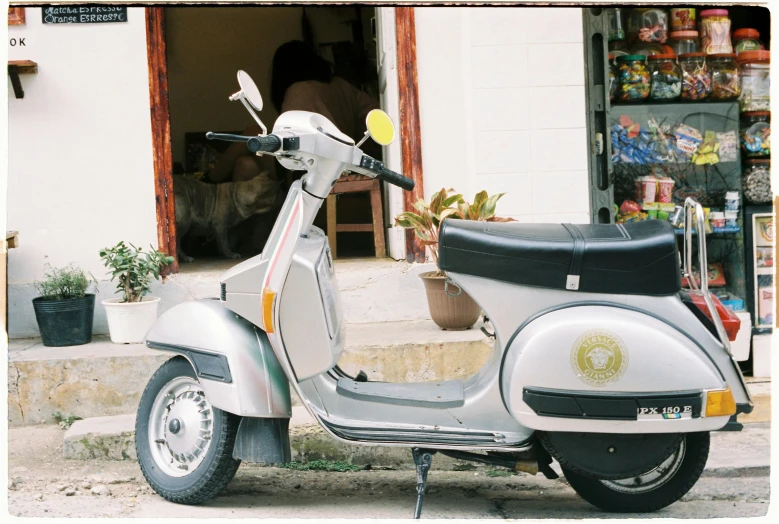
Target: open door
[{"x": 388, "y": 92}]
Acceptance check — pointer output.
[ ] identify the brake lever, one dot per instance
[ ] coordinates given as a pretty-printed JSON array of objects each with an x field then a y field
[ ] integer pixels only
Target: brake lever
[{"x": 227, "y": 137}]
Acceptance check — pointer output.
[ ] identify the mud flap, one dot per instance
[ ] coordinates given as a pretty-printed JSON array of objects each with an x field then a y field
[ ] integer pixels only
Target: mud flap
[{"x": 263, "y": 440}]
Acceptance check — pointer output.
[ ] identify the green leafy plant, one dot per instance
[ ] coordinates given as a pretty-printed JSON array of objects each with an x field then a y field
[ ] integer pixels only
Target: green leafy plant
[
  {"x": 426, "y": 222},
  {"x": 322, "y": 465},
  {"x": 65, "y": 421},
  {"x": 64, "y": 283},
  {"x": 133, "y": 268}
]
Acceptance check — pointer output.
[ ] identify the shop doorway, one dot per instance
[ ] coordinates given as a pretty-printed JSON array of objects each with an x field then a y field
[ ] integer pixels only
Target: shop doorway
[{"x": 205, "y": 46}]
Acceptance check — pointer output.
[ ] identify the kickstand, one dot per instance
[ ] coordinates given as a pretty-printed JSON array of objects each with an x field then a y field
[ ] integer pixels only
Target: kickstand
[{"x": 423, "y": 459}]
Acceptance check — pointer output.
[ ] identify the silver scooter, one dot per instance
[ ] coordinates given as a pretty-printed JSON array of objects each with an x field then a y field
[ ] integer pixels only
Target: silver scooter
[{"x": 601, "y": 361}]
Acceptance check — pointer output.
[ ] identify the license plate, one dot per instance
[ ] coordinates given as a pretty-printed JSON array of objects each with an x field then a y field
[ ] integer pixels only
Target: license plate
[{"x": 665, "y": 412}]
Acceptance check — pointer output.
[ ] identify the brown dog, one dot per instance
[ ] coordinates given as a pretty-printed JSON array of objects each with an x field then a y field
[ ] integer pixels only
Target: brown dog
[{"x": 214, "y": 208}]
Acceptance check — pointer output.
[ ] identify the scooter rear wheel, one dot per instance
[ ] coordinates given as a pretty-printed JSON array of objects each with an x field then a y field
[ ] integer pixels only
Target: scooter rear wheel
[
  {"x": 650, "y": 491},
  {"x": 184, "y": 445}
]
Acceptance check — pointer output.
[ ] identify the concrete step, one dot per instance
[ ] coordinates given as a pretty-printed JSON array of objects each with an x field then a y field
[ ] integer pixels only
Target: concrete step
[
  {"x": 103, "y": 379},
  {"x": 372, "y": 290},
  {"x": 112, "y": 438}
]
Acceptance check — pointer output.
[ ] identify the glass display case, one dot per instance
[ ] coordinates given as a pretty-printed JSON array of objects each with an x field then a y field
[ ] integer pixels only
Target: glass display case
[
  {"x": 761, "y": 268},
  {"x": 664, "y": 153}
]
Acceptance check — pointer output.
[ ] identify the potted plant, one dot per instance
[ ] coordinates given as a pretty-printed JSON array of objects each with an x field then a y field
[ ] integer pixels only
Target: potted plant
[
  {"x": 131, "y": 315},
  {"x": 454, "y": 310},
  {"x": 64, "y": 310}
]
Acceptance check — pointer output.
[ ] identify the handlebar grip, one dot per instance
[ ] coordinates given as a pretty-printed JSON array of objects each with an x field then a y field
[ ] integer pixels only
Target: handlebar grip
[
  {"x": 266, "y": 144},
  {"x": 396, "y": 179}
]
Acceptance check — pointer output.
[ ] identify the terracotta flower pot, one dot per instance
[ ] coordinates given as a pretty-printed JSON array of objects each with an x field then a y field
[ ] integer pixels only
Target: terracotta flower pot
[{"x": 452, "y": 313}]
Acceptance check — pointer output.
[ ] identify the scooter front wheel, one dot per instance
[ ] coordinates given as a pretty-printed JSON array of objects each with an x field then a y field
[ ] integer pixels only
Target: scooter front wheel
[
  {"x": 184, "y": 445},
  {"x": 650, "y": 491}
]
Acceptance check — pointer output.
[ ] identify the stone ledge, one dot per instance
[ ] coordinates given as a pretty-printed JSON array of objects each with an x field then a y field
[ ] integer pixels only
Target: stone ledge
[{"x": 103, "y": 379}]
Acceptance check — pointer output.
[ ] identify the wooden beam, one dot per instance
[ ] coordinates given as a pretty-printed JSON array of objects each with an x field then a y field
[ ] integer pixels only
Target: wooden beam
[
  {"x": 410, "y": 131},
  {"x": 16, "y": 16},
  {"x": 160, "y": 128}
]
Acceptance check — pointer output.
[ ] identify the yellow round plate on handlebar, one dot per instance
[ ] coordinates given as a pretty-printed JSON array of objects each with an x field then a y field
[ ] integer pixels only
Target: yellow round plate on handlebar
[{"x": 380, "y": 127}]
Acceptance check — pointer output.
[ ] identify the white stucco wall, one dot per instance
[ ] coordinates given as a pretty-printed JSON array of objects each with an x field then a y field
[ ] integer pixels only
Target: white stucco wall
[
  {"x": 80, "y": 173},
  {"x": 502, "y": 107}
]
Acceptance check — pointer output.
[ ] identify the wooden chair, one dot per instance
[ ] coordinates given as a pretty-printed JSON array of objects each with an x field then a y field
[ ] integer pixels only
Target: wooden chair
[{"x": 357, "y": 184}]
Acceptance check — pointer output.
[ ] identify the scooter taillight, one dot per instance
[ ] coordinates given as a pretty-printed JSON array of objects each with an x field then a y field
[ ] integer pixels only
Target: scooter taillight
[{"x": 729, "y": 319}]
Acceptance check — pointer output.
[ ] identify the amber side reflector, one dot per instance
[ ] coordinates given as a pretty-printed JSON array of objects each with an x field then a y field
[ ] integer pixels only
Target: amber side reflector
[
  {"x": 268, "y": 297},
  {"x": 720, "y": 403}
]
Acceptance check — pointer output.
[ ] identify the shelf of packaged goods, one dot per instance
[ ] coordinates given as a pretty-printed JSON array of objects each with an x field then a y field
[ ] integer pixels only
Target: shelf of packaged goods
[{"x": 765, "y": 271}]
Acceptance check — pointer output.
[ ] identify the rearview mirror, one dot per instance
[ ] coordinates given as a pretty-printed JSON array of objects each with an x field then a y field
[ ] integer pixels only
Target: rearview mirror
[
  {"x": 250, "y": 97},
  {"x": 380, "y": 127},
  {"x": 250, "y": 90}
]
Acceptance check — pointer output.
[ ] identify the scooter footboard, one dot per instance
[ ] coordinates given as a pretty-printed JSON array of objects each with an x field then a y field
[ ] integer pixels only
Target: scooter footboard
[
  {"x": 605, "y": 369},
  {"x": 232, "y": 358}
]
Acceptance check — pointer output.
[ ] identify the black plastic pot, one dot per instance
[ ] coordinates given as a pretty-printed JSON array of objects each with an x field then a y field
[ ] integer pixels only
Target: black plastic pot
[{"x": 65, "y": 322}]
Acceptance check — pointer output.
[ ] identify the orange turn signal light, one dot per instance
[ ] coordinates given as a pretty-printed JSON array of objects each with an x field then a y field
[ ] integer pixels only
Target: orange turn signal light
[
  {"x": 268, "y": 299},
  {"x": 720, "y": 403}
]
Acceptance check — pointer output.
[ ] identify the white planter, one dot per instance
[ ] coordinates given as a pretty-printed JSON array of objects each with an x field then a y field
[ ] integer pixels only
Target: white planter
[{"x": 129, "y": 322}]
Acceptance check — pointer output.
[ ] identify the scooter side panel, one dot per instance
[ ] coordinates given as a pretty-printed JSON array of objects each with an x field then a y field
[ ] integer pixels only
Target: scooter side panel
[
  {"x": 601, "y": 349},
  {"x": 254, "y": 385},
  {"x": 310, "y": 316}
]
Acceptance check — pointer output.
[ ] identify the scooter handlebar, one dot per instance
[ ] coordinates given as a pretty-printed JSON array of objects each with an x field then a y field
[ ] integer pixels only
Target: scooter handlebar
[
  {"x": 382, "y": 173},
  {"x": 396, "y": 179},
  {"x": 266, "y": 144}
]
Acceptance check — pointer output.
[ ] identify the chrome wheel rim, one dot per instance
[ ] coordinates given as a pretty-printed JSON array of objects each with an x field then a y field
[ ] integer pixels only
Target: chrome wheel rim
[
  {"x": 653, "y": 478},
  {"x": 181, "y": 426}
]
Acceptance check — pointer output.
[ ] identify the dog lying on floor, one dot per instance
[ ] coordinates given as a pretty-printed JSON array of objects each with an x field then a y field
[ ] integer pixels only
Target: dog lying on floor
[{"x": 203, "y": 208}]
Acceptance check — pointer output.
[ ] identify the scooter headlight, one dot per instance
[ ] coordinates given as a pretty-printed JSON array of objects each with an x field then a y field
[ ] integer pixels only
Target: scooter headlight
[{"x": 720, "y": 403}]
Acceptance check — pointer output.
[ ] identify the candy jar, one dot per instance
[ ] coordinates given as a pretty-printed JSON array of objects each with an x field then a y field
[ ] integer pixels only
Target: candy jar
[
  {"x": 684, "y": 42},
  {"x": 755, "y": 80},
  {"x": 612, "y": 78},
  {"x": 633, "y": 78},
  {"x": 696, "y": 77},
  {"x": 682, "y": 18},
  {"x": 648, "y": 25},
  {"x": 715, "y": 32},
  {"x": 725, "y": 78},
  {"x": 756, "y": 134},
  {"x": 666, "y": 83},
  {"x": 756, "y": 181},
  {"x": 746, "y": 39},
  {"x": 650, "y": 48},
  {"x": 616, "y": 27}
]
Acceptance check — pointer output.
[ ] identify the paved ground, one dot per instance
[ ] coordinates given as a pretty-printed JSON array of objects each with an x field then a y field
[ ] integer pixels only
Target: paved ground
[{"x": 42, "y": 484}]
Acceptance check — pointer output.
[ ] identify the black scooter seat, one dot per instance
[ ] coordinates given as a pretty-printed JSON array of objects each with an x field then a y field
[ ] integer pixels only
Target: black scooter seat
[{"x": 639, "y": 258}]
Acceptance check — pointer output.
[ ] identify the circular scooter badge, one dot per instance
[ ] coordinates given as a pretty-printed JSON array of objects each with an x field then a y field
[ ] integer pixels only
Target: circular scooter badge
[{"x": 599, "y": 357}]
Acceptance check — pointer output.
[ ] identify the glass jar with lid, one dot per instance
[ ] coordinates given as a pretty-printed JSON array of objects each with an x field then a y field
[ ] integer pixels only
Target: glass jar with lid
[
  {"x": 612, "y": 78},
  {"x": 633, "y": 78},
  {"x": 682, "y": 18},
  {"x": 696, "y": 76},
  {"x": 755, "y": 131},
  {"x": 648, "y": 25},
  {"x": 755, "y": 80},
  {"x": 684, "y": 42},
  {"x": 725, "y": 77},
  {"x": 746, "y": 39},
  {"x": 666, "y": 77},
  {"x": 756, "y": 181},
  {"x": 715, "y": 31}
]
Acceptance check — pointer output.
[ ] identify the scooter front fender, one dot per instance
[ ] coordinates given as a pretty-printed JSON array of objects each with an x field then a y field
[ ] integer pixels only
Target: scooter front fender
[{"x": 232, "y": 358}]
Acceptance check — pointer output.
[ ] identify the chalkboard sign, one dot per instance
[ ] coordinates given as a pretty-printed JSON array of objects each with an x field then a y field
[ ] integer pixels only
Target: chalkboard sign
[{"x": 83, "y": 15}]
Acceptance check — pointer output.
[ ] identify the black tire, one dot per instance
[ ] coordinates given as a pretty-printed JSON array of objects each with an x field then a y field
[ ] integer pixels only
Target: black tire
[
  {"x": 218, "y": 467},
  {"x": 598, "y": 493}
]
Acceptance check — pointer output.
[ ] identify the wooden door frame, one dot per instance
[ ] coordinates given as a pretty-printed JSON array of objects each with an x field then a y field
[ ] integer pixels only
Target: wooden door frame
[
  {"x": 410, "y": 131},
  {"x": 160, "y": 134}
]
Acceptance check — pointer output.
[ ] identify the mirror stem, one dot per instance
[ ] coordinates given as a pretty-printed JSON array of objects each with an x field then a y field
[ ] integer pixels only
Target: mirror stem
[
  {"x": 254, "y": 115},
  {"x": 364, "y": 138}
]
